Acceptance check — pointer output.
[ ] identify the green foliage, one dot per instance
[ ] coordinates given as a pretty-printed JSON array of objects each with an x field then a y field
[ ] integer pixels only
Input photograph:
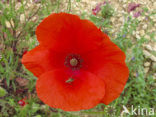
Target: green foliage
[
  {"x": 107, "y": 11},
  {"x": 78, "y": 0},
  {"x": 99, "y": 21},
  {"x": 3, "y": 92}
]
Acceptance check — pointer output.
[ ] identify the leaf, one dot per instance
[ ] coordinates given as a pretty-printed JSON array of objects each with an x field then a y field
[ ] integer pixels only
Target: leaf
[{"x": 3, "y": 92}]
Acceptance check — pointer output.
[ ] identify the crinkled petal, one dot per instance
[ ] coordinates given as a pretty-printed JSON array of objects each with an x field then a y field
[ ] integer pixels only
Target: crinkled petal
[
  {"x": 85, "y": 92},
  {"x": 40, "y": 60},
  {"x": 67, "y": 32},
  {"x": 115, "y": 77},
  {"x": 108, "y": 63}
]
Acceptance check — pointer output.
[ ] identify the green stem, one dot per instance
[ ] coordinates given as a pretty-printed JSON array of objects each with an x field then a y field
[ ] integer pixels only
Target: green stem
[
  {"x": 58, "y": 5},
  {"x": 69, "y": 6}
]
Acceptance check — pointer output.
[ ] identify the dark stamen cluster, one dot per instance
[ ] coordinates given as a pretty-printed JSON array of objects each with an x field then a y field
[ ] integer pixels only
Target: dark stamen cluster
[{"x": 73, "y": 61}]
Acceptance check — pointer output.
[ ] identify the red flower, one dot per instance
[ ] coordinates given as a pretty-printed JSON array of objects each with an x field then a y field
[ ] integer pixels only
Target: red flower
[
  {"x": 21, "y": 102},
  {"x": 76, "y": 64}
]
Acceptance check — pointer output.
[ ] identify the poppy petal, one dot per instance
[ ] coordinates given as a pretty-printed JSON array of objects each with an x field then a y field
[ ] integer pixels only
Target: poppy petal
[
  {"x": 40, "y": 60},
  {"x": 85, "y": 92},
  {"x": 108, "y": 63},
  {"x": 66, "y": 32},
  {"x": 107, "y": 53},
  {"x": 115, "y": 76}
]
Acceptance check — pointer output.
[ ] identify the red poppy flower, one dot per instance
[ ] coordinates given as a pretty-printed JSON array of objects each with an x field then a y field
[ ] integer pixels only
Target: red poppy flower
[
  {"x": 22, "y": 102},
  {"x": 77, "y": 65}
]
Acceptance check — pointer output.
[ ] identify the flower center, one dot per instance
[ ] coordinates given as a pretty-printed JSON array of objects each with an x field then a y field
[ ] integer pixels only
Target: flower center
[{"x": 73, "y": 61}]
